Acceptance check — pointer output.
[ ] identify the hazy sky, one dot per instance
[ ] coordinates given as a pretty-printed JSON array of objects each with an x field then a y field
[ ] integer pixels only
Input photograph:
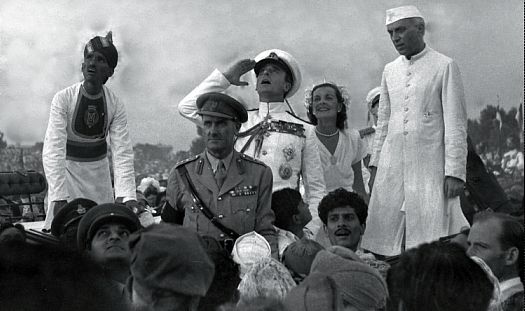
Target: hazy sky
[{"x": 167, "y": 47}]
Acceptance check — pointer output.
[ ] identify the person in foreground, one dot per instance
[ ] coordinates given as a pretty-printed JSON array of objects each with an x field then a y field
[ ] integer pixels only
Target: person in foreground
[{"x": 437, "y": 276}]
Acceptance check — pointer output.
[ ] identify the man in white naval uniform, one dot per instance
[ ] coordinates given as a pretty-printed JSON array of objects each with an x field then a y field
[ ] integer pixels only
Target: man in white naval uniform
[
  {"x": 82, "y": 119},
  {"x": 420, "y": 148},
  {"x": 272, "y": 134}
]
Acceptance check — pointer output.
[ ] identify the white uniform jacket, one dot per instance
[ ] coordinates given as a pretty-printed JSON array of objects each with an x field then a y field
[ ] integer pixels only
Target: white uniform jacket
[
  {"x": 75, "y": 162},
  {"x": 421, "y": 138},
  {"x": 291, "y": 157}
]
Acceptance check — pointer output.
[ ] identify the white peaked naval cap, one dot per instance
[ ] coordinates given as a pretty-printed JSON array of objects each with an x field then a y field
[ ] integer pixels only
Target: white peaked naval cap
[{"x": 402, "y": 12}]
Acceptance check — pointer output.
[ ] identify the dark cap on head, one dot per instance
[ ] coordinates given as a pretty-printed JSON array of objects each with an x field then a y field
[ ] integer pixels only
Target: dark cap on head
[
  {"x": 221, "y": 105},
  {"x": 102, "y": 214},
  {"x": 103, "y": 45},
  {"x": 170, "y": 259},
  {"x": 70, "y": 214}
]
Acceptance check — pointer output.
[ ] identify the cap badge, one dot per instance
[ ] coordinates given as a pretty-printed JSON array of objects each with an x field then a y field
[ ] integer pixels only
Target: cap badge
[
  {"x": 273, "y": 55},
  {"x": 81, "y": 210}
]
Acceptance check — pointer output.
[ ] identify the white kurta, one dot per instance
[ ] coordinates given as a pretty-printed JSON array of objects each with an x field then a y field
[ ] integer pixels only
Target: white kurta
[
  {"x": 337, "y": 168},
  {"x": 421, "y": 138},
  {"x": 300, "y": 153},
  {"x": 69, "y": 179}
]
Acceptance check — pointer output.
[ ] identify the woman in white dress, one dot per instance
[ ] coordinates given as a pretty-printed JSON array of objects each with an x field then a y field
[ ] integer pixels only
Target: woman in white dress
[{"x": 341, "y": 149}]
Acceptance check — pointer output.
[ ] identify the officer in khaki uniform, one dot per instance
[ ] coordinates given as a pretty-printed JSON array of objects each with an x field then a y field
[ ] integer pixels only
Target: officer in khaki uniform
[{"x": 235, "y": 187}]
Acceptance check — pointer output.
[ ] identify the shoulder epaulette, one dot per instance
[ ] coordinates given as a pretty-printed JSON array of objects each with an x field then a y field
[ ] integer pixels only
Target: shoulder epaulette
[
  {"x": 248, "y": 158},
  {"x": 293, "y": 115},
  {"x": 366, "y": 131},
  {"x": 190, "y": 159}
]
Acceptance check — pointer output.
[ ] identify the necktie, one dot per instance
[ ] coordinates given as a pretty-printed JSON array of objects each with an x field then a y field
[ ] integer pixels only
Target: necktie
[{"x": 220, "y": 174}]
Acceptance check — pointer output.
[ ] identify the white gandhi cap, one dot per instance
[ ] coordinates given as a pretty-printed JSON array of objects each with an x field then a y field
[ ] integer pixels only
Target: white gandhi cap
[{"x": 402, "y": 12}]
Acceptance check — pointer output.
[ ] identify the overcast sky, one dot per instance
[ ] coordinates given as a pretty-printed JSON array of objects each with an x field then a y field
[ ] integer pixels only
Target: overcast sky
[{"x": 167, "y": 47}]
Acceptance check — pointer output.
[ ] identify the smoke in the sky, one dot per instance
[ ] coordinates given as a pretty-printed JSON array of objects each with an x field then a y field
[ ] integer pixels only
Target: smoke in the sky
[{"x": 167, "y": 47}]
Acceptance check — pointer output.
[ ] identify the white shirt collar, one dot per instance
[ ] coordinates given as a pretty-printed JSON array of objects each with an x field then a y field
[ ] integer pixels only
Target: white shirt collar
[{"x": 272, "y": 108}]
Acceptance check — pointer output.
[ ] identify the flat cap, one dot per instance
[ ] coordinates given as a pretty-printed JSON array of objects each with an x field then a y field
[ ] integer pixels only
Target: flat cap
[
  {"x": 220, "y": 105},
  {"x": 169, "y": 258},
  {"x": 70, "y": 215},
  {"x": 102, "y": 214}
]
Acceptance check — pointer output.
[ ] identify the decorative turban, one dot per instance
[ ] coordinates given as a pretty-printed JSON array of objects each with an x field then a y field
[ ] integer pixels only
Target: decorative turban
[{"x": 103, "y": 45}]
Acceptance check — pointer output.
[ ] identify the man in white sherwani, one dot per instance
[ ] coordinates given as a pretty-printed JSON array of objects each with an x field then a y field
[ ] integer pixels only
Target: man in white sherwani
[
  {"x": 273, "y": 134},
  {"x": 420, "y": 148},
  {"x": 83, "y": 120}
]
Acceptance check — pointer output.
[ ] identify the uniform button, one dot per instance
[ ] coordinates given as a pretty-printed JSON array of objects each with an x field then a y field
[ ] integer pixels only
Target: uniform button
[
  {"x": 222, "y": 235},
  {"x": 264, "y": 152},
  {"x": 405, "y": 133},
  {"x": 219, "y": 198},
  {"x": 221, "y": 216},
  {"x": 409, "y": 73},
  {"x": 247, "y": 209},
  {"x": 406, "y": 97},
  {"x": 406, "y": 121},
  {"x": 408, "y": 84},
  {"x": 267, "y": 134},
  {"x": 406, "y": 108}
]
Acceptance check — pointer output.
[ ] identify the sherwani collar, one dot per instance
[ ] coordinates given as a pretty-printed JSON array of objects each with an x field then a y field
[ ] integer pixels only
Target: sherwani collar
[{"x": 417, "y": 56}]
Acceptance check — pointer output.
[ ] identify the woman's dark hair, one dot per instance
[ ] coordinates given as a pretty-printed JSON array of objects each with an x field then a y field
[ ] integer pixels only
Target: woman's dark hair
[
  {"x": 341, "y": 115},
  {"x": 437, "y": 276}
]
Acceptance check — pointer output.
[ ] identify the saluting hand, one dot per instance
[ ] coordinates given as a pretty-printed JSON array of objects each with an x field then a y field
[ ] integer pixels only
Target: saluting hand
[
  {"x": 453, "y": 186},
  {"x": 234, "y": 73}
]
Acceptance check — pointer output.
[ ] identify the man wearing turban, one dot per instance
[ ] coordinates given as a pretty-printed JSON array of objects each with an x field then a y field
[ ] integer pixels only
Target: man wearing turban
[{"x": 83, "y": 119}]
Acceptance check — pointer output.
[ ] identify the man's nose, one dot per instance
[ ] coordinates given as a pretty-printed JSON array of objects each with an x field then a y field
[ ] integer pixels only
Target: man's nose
[{"x": 114, "y": 235}]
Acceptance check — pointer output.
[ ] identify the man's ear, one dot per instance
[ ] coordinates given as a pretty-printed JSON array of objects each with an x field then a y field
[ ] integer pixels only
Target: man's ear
[
  {"x": 511, "y": 256},
  {"x": 295, "y": 218},
  {"x": 287, "y": 87},
  {"x": 110, "y": 72}
]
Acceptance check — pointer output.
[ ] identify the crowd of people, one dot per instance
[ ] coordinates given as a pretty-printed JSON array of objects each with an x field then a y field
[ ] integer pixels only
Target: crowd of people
[{"x": 277, "y": 213}]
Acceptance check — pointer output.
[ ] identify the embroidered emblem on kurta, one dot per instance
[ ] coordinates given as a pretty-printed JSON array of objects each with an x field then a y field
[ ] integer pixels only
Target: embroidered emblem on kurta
[{"x": 91, "y": 116}]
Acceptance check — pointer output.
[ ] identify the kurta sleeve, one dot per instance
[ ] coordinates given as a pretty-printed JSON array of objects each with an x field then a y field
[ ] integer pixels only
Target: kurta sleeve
[
  {"x": 122, "y": 153},
  {"x": 455, "y": 118},
  {"x": 265, "y": 216},
  {"x": 54, "y": 150},
  {"x": 215, "y": 82},
  {"x": 383, "y": 117},
  {"x": 313, "y": 178}
]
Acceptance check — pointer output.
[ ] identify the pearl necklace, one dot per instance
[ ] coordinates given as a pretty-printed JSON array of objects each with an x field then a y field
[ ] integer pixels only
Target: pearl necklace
[{"x": 327, "y": 135}]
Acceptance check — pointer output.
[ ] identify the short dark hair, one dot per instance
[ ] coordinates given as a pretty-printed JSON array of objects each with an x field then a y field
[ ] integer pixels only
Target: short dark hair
[
  {"x": 341, "y": 115},
  {"x": 285, "y": 204},
  {"x": 223, "y": 288},
  {"x": 437, "y": 276},
  {"x": 512, "y": 233},
  {"x": 341, "y": 198},
  {"x": 7, "y": 225}
]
